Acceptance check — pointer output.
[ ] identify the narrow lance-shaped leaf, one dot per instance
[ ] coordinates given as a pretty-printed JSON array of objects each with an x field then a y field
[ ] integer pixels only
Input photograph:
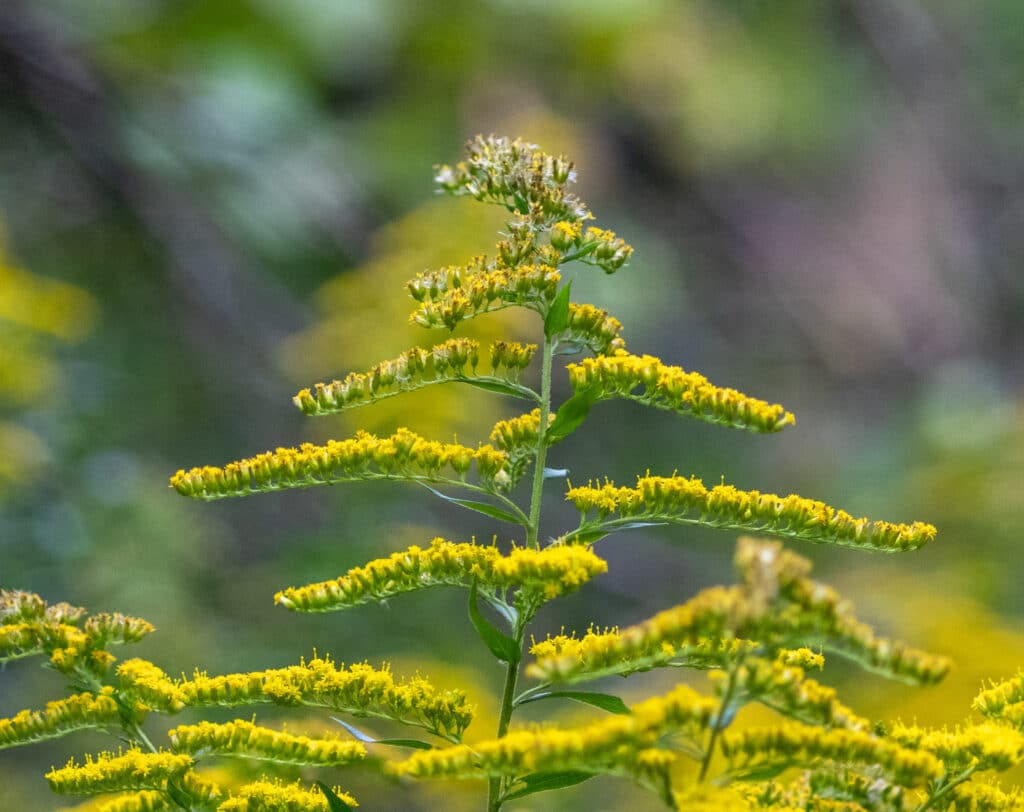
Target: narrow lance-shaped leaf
[
  {"x": 500, "y": 644},
  {"x": 557, "y": 318},
  {"x": 606, "y": 702},
  {"x": 546, "y": 781}
]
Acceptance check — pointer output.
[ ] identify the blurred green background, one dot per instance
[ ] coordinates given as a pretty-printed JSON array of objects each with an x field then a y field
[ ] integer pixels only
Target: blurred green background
[{"x": 207, "y": 205}]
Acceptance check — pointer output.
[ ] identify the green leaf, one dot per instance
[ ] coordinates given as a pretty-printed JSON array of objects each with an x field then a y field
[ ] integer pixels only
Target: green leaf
[
  {"x": 542, "y": 782},
  {"x": 571, "y": 414},
  {"x": 333, "y": 801},
  {"x": 501, "y": 645},
  {"x": 556, "y": 473},
  {"x": 485, "y": 508},
  {"x": 414, "y": 744},
  {"x": 179, "y": 796},
  {"x": 501, "y": 387},
  {"x": 606, "y": 702},
  {"x": 557, "y": 318}
]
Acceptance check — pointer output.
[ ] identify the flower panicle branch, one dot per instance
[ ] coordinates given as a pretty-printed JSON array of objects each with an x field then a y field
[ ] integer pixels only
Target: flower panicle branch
[
  {"x": 454, "y": 360},
  {"x": 77, "y": 712},
  {"x": 687, "y": 500},
  {"x": 775, "y": 605},
  {"x": 611, "y": 745},
  {"x": 546, "y": 573},
  {"x": 795, "y": 744},
  {"x": 403, "y": 456},
  {"x": 358, "y": 689},
  {"x": 646, "y": 379},
  {"x": 118, "y": 772},
  {"x": 247, "y": 740},
  {"x": 273, "y": 794}
]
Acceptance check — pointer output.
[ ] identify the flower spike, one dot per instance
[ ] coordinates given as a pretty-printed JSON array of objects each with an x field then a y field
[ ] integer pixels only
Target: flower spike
[
  {"x": 357, "y": 689},
  {"x": 454, "y": 360},
  {"x": 403, "y": 456},
  {"x": 246, "y": 740},
  {"x": 683, "y": 500},
  {"x": 267, "y": 796},
  {"x": 130, "y": 770},
  {"x": 546, "y": 573},
  {"x": 77, "y": 712},
  {"x": 645, "y": 379},
  {"x": 617, "y": 744}
]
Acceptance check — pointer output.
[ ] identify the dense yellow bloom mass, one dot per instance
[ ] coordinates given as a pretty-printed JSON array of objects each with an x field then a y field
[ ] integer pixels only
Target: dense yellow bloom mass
[
  {"x": 647, "y": 380},
  {"x": 76, "y": 712},
  {"x": 686, "y": 500},
  {"x": 404, "y": 455},
  {"x": 548, "y": 573},
  {"x": 274, "y": 796},
  {"x": 358, "y": 689},
  {"x": 989, "y": 746},
  {"x": 775, "y": 605},
  {"x": 977, "y": 796},
  {"x": 247, "y": 740},
  {"x": 995, "y": 700},
  {"x": 108, "y": 772},
  {"x": 618, "y": 743},
  {"x": 794, "y": 744},
  {"x": 453, "y": 360}
]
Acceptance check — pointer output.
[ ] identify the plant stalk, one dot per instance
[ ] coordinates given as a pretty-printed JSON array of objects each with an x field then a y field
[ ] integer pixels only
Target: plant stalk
[{"x": 547, "y": 355}]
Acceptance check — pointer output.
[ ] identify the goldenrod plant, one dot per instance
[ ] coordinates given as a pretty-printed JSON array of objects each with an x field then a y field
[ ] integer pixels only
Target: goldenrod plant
[{"x": 756, "y": 641}]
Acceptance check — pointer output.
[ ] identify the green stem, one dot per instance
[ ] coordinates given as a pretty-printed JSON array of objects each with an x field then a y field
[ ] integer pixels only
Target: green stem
[
  {"x": 495, "y": 788},
  {"x": 533, "y": 529},
  {"x": 719, "y": 726},
  {"x": 951, "y": 783}
]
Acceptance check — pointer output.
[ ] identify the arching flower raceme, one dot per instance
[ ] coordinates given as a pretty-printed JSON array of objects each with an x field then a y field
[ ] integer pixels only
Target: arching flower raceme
[
  {"x": 403, "y": 456},
  {"x": 547, "y": 573}
]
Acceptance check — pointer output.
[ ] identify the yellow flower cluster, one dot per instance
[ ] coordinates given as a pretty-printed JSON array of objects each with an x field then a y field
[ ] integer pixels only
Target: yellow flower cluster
[
  {"x": 77, "y": 712},
  {"x": 404, "y": 455},
  {"x": 977, "y": 796},
  {"x": 109, "y": 772},
  {"x": 204, "y": 794},
  {"x": 359, "y": 689},
  {"x": 150, "y": 685},
  {"x": 247, "y": 740},
  {"x": 1004, "y": 700},
  {"x": 707, "y": 798},
  {"x": 988, "y": 746},
  {"x": 517, "y": 175},
  {"x": 549, "y": 573},
  {"x": 274, "y": 796},
  {"x": 445, "y": 303},
  {"x": 685, "y": 500},
  {"x": 645, "y": 379},
  {"x": 453, "y": 360},
  {"x": 786, "y": 689},
  {"x": 794, "y": 744},
  {"x": 618, "y": 743},
  {"x": 518, "y": 434},
  {"x": 593, "y": 328},
  {"x": 775, "y": 605},
  {"x": 801, "y": 658},
  {"x": 609, "y": 252},
  {"x": 699, "y": 629},
  {"x": 28, "y": 626}
]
